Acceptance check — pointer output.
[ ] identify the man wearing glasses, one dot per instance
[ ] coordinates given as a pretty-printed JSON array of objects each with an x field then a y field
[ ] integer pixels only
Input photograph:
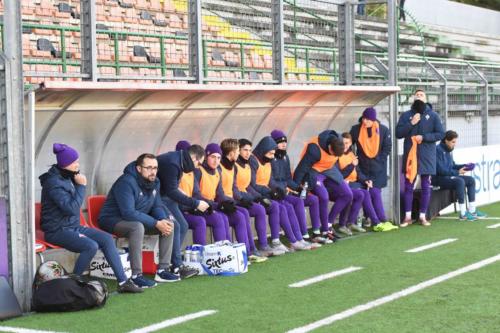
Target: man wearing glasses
[
  {"x": 172, "y": 166},
  {"x": 133, "y": 208}
]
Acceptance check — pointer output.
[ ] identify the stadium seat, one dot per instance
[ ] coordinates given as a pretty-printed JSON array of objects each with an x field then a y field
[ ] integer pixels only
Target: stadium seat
[
  {"x": 94, "y": 205},
  {"x": 39, "y": 234}
]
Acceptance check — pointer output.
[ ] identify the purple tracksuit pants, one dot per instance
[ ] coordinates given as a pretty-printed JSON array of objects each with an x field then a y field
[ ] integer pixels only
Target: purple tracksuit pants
[
  {"x": 240, "y": 221},
  {"x": 425, "y": 196},
  {"x": 298, "y": 204},
  {"x": 198, "y": 224},
  {"x": 378, "y": 205},
  {"x": 341, "y": 194},
  {"x": 360, "y": 198},
  {"x": 321, "y": 193},
  {"x": 258, "y": 212}
]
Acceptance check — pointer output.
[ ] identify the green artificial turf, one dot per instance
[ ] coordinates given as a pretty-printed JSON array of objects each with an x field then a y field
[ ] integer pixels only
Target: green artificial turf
[{"x": 261, "y": 301}]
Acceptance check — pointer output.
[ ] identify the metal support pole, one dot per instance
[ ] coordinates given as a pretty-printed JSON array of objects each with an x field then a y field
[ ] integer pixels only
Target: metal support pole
[
  {"x": 22, "y": 254},
  {"x": 485, "y": 96},
  {"x": 346, "y": 43},
  {"x": 195, "y": 41},
  {"x": 393, "y": 106},
  {"x": 278, "y": 41},
  {"x": 88, "y": 39},
  {"x": 444, "y": 92}
]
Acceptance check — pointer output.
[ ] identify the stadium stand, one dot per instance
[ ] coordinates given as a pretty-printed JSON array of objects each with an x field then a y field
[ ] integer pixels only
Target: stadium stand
[{"x": 236, "y": 37}]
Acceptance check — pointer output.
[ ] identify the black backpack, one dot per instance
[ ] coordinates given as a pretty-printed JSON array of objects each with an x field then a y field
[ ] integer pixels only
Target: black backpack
[{"x": 67, "y": 293}]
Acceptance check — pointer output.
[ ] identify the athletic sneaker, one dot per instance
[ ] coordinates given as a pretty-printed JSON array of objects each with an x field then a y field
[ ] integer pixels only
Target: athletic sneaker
[
  {"x": 185, "y": 272},
  {"x": 424, "y": 222},
  {"x": 299, "y": 246},
  {"x": 277, "y": 245},
  {"x": 256, "y": 259},
  {"x": 166, "y": 276},
  {"x": 331, "y": 236},
  {"x": 379, "y": 228},
  {"x": 142, "y": 282},
  {"x": 270, "y": 252},
  {"x": 345, "y": 231},
  {"x": 367, "y": 223},
  {"x": 467, "y": 217},
  {"x": 317, "y": 238},
  {"x": 405, "y": 223},
  {"x": 312, "y": 245},
  {"x": 355, "y": 227},
  {"x": 129, "y": 287},
  {"x": 388, "y": 225},
  {"x": 479, "y": 214}
]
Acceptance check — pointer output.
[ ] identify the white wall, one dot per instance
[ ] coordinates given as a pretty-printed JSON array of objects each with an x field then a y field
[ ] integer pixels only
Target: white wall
[{"x": 454, "y": 15}]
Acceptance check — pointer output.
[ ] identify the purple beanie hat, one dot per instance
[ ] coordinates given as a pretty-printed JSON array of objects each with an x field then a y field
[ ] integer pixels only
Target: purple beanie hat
[
  {"x": 213, "y": 148},
  {"x": 370, "y": 114},
  {"x": 278, "y": 136},
  {"x": 182, "y": 145},
  {"x": 65, "y": 154}
]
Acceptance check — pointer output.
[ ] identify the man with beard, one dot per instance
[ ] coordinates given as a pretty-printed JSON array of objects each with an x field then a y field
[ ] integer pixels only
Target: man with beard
[
  {"x": 421, "y": 128},
  {"x": 63, "y": 192},
  {"x": 133, "y": 208},
  {"x": 171, "y": 167},
  {"x": 452, "y": 176}
]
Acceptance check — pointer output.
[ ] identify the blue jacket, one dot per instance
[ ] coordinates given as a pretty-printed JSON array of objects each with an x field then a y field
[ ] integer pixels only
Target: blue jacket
[
  {"x": 128, "y": 200},
  {"x": 431, "y": 129},
  {"x": 265, "y": 145},
  {"x": 171, "y": 166},
  {"x": 446, "y": 167},
  {"x": 282, "y": 172},
  {"x": 61, "y": 201},
  {"x": 304, "y": 171},
  {"x": 375, "y": 169}
]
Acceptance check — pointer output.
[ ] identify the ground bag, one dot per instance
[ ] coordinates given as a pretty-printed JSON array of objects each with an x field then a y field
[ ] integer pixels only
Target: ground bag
[
  {"x": 224, "y": 258},
  {"x": 68, "y": 294}
]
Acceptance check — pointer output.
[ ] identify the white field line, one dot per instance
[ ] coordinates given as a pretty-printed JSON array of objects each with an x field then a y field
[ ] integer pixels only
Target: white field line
[
  {"x": 22, "y": 330},
  {"x": 456, "y": 218},
  {"x": 431, "y": 245},
  {"x": 322, "y": 277},
  {"x": 392, "y": 297},
  {"x": 493, "y": 226},
  {"x": 174, "y": 321}
]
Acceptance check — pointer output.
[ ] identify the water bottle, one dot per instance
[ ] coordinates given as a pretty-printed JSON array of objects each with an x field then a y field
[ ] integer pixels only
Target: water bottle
[
  {"x": 187, "y": 254},
  {"x": 303, "y": 193}
]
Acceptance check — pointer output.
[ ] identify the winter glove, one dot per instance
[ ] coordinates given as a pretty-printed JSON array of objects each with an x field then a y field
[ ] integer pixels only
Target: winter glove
[
  {"x": 278, "y": 194},
  {"x": 245, "y": 203},
  {"x": 469, "y": 166},
  {"x": 265, "y": 202},
  {"x": 227, "y": 207}
]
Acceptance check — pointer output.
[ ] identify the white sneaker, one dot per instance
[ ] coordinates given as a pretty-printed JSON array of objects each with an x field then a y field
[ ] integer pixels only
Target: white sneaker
[
  {"x": 321, "y": 240},
  {"x": 312, "y": 245},
  {"x": 270, "y": 252},
  {"x": 357, "y": 228},
  {"x": 345, "y": 231},
  {"x": 306, "y": 243},
  {"x": 277, "y": 245},
  {"x": 299, "y": 246}
]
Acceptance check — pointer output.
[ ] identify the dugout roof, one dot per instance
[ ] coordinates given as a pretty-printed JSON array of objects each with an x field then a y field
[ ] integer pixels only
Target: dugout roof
[{"x": 111, "y": 123}]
